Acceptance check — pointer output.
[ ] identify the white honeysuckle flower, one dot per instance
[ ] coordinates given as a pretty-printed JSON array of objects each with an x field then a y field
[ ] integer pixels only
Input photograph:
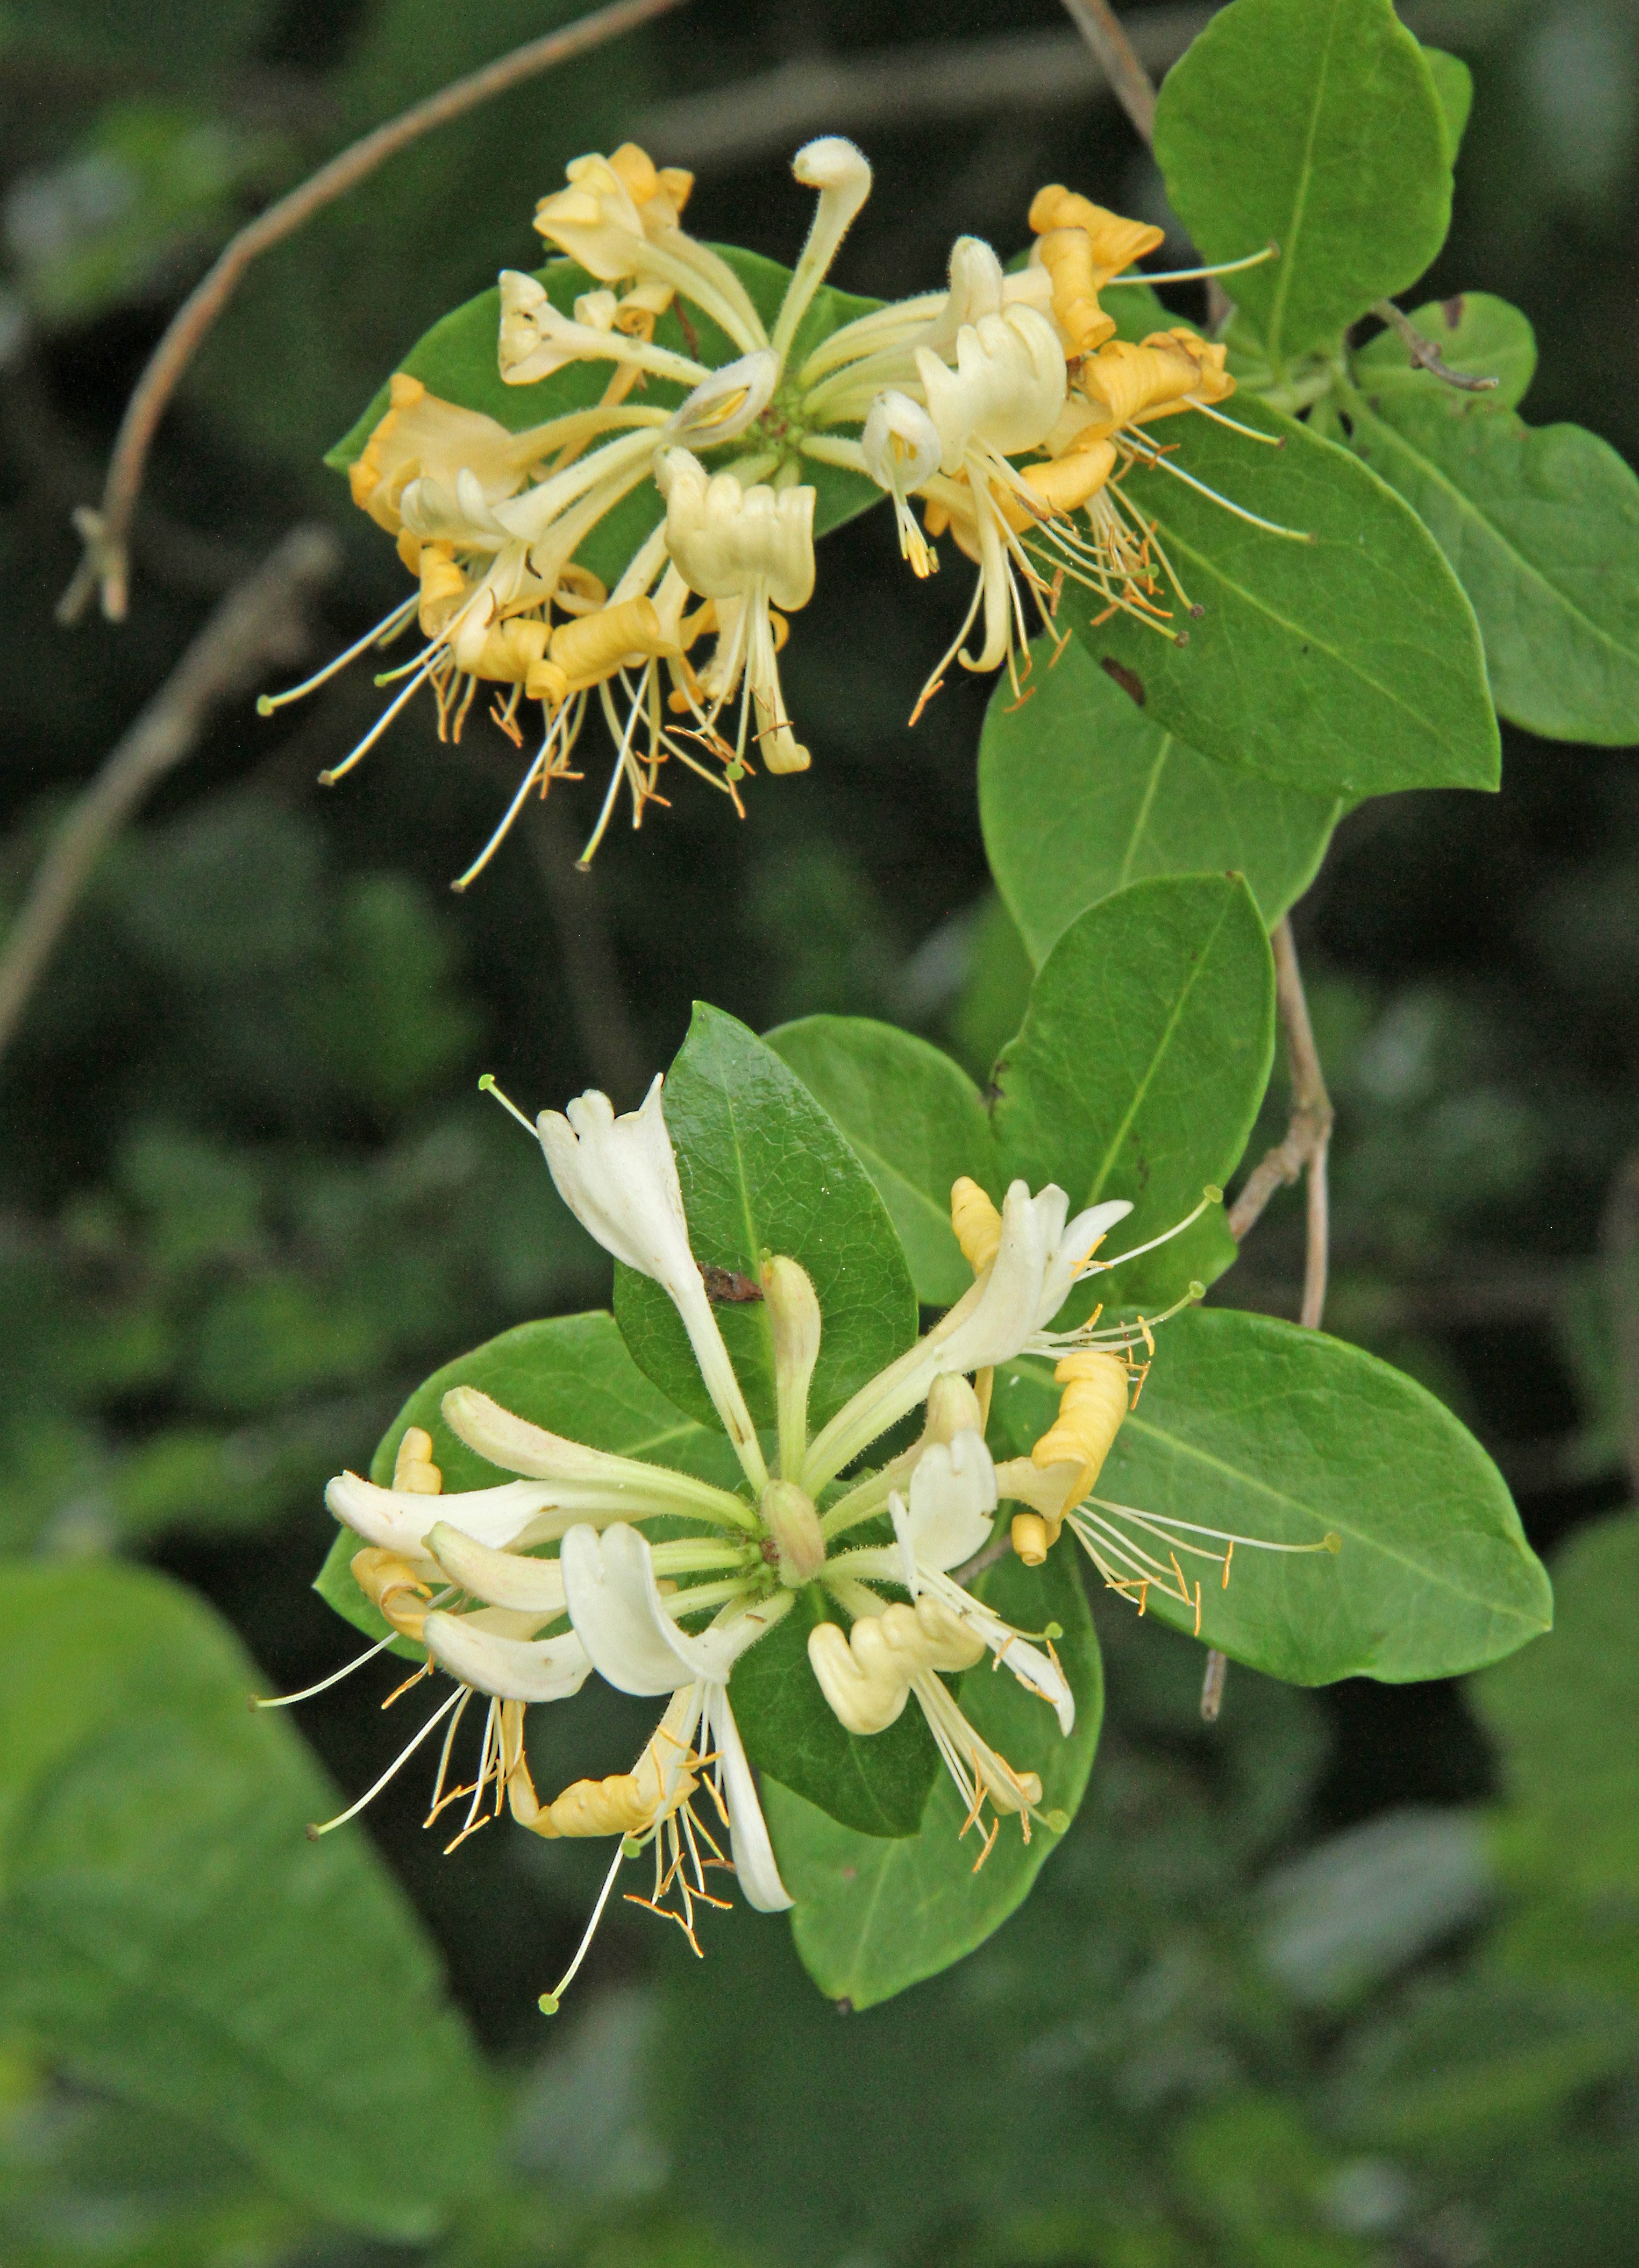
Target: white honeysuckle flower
[
  {"x": 630, "y": 1633},
  {"x": 586, "y": 1484},
  {"x": 537, "y": 339},
  {"x": 901, "y": 449},
  {"x": 748, "y": 549},
  {"x": 507, "y": 1668},
  {"x": 398, "y": 1520},
  {"x": 841, "y": 174},
  {"x": 1041, "y": 1255},
  {"x": 617, "y": 1176},
  {"x": 725, "y": 402},
  {"x": 978, "y": 288}
]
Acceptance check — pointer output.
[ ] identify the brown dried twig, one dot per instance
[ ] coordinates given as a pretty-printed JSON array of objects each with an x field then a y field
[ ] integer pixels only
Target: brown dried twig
[
  {"x": 107, "y": 529},
  {"x": 1135, "y": 90},
  {"x": 258, "y": 624},
  {"x": 1425, "y": 354}
]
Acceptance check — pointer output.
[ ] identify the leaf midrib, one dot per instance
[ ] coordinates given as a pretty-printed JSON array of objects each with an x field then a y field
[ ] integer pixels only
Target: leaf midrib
[
  {"x": 1161, "y": 1048},
  {"x": 1146, "y": 805},
  {"x": 1470, "y": 510},
  {"x": 1149, "y": 1429},
  {"x": 1287, "y": 263}
]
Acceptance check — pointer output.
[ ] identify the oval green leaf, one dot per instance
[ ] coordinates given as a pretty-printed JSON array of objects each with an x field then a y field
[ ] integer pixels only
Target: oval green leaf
[
  {"x": 1141, "y": 1065},
  {"x": 572, "y": 1375},
  {"x": 1542, "y": 525},
  {"x": 1249, "y": 1424},
  {"x": 874, "y": 1917},
  {"x": 173, "y": 1938},
  {"x": 764, "y": 1169},
  {"x": 915, "y": 1120},
  {"x": 1349, "y": 666},
  {"x": 1314, "y": 125},
  {"x": 1080, "y": 793}
]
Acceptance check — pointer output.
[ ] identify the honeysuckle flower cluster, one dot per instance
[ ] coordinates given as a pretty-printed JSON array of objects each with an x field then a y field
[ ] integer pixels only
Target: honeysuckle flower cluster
[
  {"x": 1002, "y": 404},
  {"x": 470, "y": 1580}
]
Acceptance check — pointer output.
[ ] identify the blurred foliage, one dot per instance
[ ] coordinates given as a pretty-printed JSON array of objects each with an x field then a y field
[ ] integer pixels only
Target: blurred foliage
[{"x": 248, "y": 1197}]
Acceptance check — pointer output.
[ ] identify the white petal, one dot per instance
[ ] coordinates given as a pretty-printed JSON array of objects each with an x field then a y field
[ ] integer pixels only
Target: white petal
[
  {"x": 952, "y": 1501},
  {"x": 1009, "y": 1307},
  {"x": 748, "y": 1831},
  {"x": 398, "y": 1520},
  {"x": 582, "y": 1481},
  {"x": 501, "y": 1579},
  {"x": 513, "y": 1670},
  {"x": 1075, "y": 1248},
  {"x": 609, "y": 1581}
]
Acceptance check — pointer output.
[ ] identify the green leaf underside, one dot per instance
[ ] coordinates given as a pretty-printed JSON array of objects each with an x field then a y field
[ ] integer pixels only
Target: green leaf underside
[
  {"x": 915, "y": 1120},
  {"x": 1314, "y": 124},
  {"x": 764, "y": 1169},
  {"x": 1542, "y": 525},
  {"x": 1454, "y": 90},
  {"x": 1253, "y": 1426},
  {"x": 572, "y": 1375},
  {"x": 1140, "y": 1067},
  {"x": 873, "y": 1786},
  {"x": 1080, "y": 793},
  {"x": 873, "y": 1917},
  {"x": 1350, "y": 665},
  {"x": 1476, "y": 332},
  {"x": 457, "y": 360},
  {"x": 174, "y": 1938}
]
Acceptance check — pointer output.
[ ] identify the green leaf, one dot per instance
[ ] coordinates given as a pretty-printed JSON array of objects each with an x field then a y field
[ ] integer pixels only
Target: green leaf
[
  {"x": 1542, "y": 525},
  {"x": 873, "y": 1917},
  {"x": 1315, "y": 125},
  {"x": 1349, "y": 666},
  {"x": 456, "y": 359},
  {"x": 571, "y": 1374},
  {"x": 1080, "y": 793},
  {"x": 1475, "y": 334},
  {"x": 1252, "y": 1425},
  {"x": 1141, "y": 1065},
  {"x": 1454, "y": 86},
  {"x": 763, "y": 1169},
  {"x": 916, "y": 1122},
  {"x": 173, "y": 1938},
  {"x": 874, "y": 1786}
]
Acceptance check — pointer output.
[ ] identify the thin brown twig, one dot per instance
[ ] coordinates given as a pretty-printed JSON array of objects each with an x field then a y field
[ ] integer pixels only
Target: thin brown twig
[
  {"x": 107, "y": 529},
  {"x": 258, "y": 624},
  {"x": 1425, "y": 354},
  {"x": 1135, "y": 90}
]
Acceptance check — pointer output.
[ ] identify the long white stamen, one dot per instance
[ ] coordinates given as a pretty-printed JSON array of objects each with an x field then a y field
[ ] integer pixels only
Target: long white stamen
[
  {"x": 341, "y": 770},
  {"x": 1211, "y": 1196},
  {"x": 1190, "y": 275},
  {"x": 288, "y": 1700},
  {"x": 487, "y": 1085},
  {"x": 353, "y": 1809},
  {"x": 1158, "y": 462},
  {"x": 548, "y": 2002},
  {"x": 267, "y": 703}
]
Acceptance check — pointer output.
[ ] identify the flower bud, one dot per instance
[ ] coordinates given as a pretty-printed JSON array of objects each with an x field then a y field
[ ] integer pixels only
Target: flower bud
[{"x": 793, "y": 1524}]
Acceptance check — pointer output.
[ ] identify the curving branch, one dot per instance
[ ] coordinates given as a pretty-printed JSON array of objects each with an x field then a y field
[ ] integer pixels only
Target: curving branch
[
  {"x": 259, "y": 623},
  {"x": 1135, "y": 90},
  {"x": 107, "y": 529}
]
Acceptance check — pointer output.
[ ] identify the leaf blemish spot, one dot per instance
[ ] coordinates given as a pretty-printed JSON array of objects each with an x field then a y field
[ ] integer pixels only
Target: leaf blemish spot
[{"x": 1128, "y": 680}]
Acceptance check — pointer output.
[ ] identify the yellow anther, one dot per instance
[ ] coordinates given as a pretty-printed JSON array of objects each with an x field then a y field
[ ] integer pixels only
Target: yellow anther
[
  {"x": 1031, "y": 1538},
  {"x": 393, "y": 1588},
  {"x": 413, "y": 1468},
  {"x": 1116, "y": 242},
  {"x": 1077, "y": 279},
  {"x": 977, "y": 1223},
  {"x": 1071, "y": 480},
  {"x": 594, "y": 646}
]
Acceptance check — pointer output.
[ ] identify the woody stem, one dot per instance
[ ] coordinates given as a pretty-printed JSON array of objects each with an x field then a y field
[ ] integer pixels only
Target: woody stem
[{"x": 1098, "y": 25}]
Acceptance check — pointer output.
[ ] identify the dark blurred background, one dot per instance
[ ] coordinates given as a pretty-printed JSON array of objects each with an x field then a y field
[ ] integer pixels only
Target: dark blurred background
[{"x": 249, "y": 1194}]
